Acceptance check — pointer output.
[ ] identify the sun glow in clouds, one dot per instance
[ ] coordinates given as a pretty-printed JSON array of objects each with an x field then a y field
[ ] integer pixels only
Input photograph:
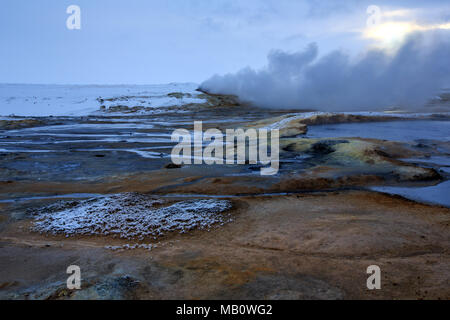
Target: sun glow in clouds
[{"x": 390, "y": 34}]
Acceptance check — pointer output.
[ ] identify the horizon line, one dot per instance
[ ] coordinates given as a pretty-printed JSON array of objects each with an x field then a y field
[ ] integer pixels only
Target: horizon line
[{"x": 95, "y": 84}]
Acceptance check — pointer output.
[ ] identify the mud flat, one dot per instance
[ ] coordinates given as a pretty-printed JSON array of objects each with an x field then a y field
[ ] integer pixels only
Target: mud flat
[
  {"x": 312, "y": 246},
  {"x": 99, "y": 191}
]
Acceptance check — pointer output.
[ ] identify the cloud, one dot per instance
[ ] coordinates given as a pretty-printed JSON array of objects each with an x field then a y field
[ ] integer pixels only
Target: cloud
[{"x": 376, "y": 80}]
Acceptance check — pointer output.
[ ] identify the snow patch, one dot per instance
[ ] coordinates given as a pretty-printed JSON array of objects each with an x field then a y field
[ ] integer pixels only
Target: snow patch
[
  {"x": 148, "y": 247},
  {"x": 130, "y": 216},
  {"x": 79, "y": 100},
  {"x": 400, "y": 115}
]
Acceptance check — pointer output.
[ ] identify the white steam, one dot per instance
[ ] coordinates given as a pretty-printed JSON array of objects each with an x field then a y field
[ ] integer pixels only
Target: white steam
[{"x": 407, "y": 78}]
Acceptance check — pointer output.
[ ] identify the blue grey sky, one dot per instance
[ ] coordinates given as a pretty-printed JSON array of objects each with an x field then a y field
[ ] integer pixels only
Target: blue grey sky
[{"x": 162, "y": 41}]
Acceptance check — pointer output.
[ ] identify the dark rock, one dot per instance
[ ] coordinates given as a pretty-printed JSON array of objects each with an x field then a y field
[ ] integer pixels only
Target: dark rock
[
  {"x": 325, "y": 147},
  {"x": 172, "y": 166},
  {"x": 321, "y": 148},
  {"x": 179, "y": 95}
]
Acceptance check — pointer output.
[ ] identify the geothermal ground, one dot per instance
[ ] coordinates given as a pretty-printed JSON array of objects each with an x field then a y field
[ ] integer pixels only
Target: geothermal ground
[{"x": 98, "y": 190}]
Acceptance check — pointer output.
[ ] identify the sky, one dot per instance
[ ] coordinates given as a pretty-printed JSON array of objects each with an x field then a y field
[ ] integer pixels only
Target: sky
[{"x": 164, "y": 41}]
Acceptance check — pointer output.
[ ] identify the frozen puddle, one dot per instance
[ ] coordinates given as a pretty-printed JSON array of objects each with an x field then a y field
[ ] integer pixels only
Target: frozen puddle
[
  {"x": 406, "y": 130},
  {"x": 130, "y": 216},
  {"x": 442, "y": 163},
  {"x": 438, "y": 194}
]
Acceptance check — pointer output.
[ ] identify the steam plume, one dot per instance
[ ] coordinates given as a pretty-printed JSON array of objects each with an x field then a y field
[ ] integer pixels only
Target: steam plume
[{"x": 407, "y": 78}]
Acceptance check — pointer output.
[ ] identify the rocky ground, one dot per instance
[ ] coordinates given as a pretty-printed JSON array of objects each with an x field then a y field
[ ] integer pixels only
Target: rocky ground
[
  {"x": 99, "y": 192},
  {"x": 313, "y": 246}
]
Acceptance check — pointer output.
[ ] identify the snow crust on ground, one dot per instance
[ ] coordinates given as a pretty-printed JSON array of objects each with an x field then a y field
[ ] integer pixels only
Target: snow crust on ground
[
  {"x": 307, "y": 115},
  {"x": 130, "y": 216},
  {"x": 80, "y": 100}
]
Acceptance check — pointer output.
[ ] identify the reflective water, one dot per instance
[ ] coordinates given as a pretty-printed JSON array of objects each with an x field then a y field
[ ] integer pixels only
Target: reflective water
[{"x": 414, "y": 130}]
